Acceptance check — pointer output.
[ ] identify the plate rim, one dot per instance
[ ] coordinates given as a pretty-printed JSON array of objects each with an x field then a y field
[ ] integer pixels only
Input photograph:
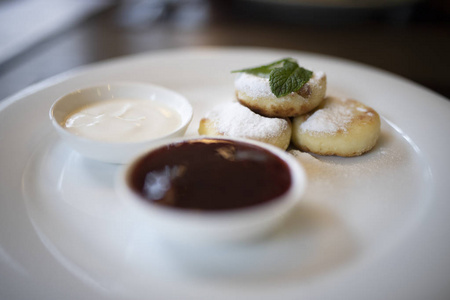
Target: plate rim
[{"x": 68, "y": 75}]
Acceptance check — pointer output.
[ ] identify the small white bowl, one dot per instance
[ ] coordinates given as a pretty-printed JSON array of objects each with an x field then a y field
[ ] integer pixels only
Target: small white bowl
[
  {"x": 190, "y": 227},
  {"x": 116, "y": 152}
]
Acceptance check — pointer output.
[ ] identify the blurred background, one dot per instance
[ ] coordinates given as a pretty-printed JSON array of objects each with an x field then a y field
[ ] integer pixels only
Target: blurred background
[{"x": 42, "y": 38}]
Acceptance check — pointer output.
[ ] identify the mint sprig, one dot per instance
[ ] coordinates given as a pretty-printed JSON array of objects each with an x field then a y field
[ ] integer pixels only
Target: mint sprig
[
  {"x": 264, "y": 71},
  {"x": 285, "y": 76}
]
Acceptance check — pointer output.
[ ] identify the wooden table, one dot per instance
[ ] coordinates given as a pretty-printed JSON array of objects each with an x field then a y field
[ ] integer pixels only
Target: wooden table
[{"x": 415, "y": 46}]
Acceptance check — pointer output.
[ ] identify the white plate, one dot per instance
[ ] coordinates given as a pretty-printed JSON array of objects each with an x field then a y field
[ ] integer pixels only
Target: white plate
[{"x": 372, "y": 227}]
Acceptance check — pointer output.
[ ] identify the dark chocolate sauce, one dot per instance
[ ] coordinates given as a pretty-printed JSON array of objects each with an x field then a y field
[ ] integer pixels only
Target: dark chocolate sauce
[{"x": 210, "y": 174}]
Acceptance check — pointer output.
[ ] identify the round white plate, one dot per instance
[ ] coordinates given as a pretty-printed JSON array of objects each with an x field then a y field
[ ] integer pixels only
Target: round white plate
[{"x": 370, "y": 227}]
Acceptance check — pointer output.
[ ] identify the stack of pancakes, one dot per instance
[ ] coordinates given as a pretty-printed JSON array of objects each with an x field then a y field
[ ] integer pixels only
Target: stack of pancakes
[{"x": 306, "y": 118}]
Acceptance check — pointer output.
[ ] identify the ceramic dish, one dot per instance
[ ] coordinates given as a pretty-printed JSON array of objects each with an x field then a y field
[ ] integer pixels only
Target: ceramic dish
[
  {"x": 115, "y": 151},
  {"x": 372, "y": 227},
  {"x": 182, "y": 226}
]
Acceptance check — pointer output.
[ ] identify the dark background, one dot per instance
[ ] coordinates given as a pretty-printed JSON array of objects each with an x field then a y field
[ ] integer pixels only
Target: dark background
[{"x": 411, "y": 39}]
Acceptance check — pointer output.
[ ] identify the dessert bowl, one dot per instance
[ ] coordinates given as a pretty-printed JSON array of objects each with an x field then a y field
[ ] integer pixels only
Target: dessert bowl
[
  {"x": 218, "y": 218},
  {"x": 113, "y": 143}
]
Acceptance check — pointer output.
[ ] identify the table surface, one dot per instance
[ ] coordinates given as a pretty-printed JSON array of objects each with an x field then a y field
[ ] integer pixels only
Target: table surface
[{"x": 412, "y": 41}]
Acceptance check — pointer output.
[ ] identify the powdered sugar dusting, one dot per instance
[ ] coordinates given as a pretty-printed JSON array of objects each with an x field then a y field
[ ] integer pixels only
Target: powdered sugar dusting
[
  {"x": 236, "y": 120},
  {"x": 253, "y": 86},
  {"x": 330, "y": 119},
  {"x": 362, "y": 109},
  {"x": 330, "y": 174},
  {"x": 258, "y": 87},
  {"x": 333, "y": 177}
]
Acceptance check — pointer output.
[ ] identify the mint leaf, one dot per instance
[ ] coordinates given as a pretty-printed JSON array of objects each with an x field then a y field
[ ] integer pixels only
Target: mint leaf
[
  {"x": 285, "y": 76},
  {"x": 264, "y": 71},
  {"x": 290, "y": 78}
]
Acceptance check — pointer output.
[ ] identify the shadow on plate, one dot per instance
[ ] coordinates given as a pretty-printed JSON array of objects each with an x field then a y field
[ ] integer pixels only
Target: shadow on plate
[{"x": 310, "y": 243}]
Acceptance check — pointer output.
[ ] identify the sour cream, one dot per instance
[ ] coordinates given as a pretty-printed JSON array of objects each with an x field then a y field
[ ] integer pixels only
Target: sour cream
[{"x": 123, "y": 120}]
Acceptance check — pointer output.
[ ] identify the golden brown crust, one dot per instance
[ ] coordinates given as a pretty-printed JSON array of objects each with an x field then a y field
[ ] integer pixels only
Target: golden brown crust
[
  {"x": 291, "y": 105},
  {"x": 207, "y": 127},
  {"x": 359, "y": 135}
]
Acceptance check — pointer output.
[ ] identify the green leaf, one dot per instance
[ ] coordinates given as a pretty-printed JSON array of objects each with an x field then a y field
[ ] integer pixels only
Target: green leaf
[
  {"x": 264, "y": 71},
  {"x": 290, "y": 78},
  {"x": 285, "y": 76}
]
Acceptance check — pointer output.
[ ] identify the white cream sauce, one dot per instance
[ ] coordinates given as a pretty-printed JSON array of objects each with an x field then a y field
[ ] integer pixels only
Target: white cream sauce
[{"x": 123, "y": 120}]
